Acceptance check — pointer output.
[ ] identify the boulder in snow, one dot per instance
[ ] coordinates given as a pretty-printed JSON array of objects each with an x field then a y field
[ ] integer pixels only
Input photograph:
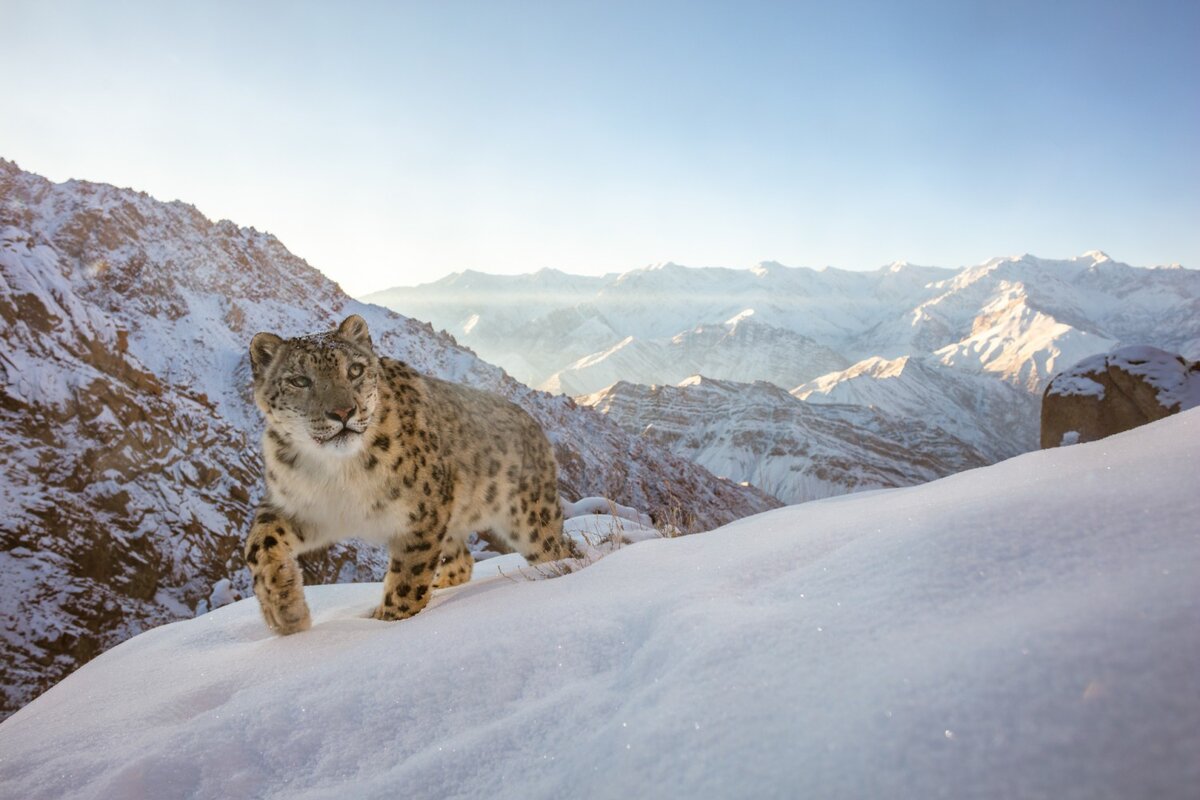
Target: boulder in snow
[{"x": 1113, "y": 392}]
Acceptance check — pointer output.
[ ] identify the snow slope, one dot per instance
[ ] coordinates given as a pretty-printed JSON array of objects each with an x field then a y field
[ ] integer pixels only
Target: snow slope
[{"x": 1022, "y": 630}]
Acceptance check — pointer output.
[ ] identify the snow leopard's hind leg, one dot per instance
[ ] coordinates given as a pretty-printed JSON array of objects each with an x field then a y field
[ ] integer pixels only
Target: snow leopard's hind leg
[
  {"x": 535, "y": 522},
  {"x": 455, "y": 565},
  {"x": 415, "y": 558}
]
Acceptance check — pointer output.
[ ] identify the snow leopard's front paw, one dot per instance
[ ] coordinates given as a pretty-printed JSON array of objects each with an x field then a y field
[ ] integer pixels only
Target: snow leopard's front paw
[
  {"x": 393, "y": 613},
  {"x": 278, "y": 581},
  {"x": 280, "y": 592},
  {"x": 408, "y": 581}
]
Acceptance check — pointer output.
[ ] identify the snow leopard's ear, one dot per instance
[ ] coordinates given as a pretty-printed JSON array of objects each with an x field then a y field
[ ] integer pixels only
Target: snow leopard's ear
[
  {"x": 263, "y": 348},
  {"x": 354, "y": 329}
]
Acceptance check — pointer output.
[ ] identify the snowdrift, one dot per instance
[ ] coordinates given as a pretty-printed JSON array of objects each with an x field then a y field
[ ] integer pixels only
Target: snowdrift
[{"x": 1027, "y": 629}]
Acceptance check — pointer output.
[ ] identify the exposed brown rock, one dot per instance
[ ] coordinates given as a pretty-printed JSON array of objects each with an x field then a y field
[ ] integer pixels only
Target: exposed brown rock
[{"x": 1117, "y": 391}]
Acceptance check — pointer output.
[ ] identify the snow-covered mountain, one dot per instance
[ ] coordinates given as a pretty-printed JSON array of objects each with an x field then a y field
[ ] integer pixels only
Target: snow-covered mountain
[
  {"x": 1019, "y": 318},
  {"x": 1024, "y": 319},
  {"x": 551, "y": 320},
  {"x": 967, "y": 350},
  {"x": 797, "y": 451},
  {"x": 740, "y": 349},
  {"x": 1022, "y": 630},
  {"x": 128, "y": 440},
  {"x": 996, "y": 418}
]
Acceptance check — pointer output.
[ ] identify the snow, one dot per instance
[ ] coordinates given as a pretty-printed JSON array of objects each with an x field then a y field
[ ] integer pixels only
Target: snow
[
  {"x": 598, "y": 529},
  {"x": 602, "y": 505},
  {"x": 1175, "y": 384},
  {"x": 1022, "y": 630},
  {"x": 1175, "y": 381},
  {"x": 738, "y": 317},
  {"x": 222, "y": 593},
  {"x": 1071, "y": 385}
]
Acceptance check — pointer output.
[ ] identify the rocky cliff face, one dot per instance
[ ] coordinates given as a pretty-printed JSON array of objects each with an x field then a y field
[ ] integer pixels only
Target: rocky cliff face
[{"x": 128, "y": 440}]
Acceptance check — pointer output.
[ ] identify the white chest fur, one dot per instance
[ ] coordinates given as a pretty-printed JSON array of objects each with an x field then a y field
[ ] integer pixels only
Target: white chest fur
[{"x": 335, "y": 499}]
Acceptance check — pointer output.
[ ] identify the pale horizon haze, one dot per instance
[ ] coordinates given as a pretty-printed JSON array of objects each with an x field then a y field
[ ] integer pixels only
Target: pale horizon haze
[{"x": 393, "y": 143}]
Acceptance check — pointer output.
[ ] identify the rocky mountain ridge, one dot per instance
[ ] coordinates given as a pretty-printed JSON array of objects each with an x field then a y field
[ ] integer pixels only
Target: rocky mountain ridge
[
  {"x": 797, "y": 451},
  {"x": 999, "y": 420}
]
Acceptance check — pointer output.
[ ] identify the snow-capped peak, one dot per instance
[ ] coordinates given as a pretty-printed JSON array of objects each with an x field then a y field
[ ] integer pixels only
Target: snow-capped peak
[
  {"x": 1096, "y": 256},
  {"x": 764, "y": 269},
  {"x": 741, "y": 315}
]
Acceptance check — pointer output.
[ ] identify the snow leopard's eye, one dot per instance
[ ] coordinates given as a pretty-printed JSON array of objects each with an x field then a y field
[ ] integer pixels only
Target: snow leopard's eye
[
  {"x": 354, "y": 371},
  {"x": 300, "y": 382}
]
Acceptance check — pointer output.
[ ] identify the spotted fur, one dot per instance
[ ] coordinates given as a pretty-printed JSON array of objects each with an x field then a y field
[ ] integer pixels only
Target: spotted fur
[{"x": 359, "y": 445}]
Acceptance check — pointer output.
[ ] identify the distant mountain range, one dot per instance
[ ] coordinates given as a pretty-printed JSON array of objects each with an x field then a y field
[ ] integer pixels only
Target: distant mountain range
[
  {"x": 1017, "y": 318},
  {"x": 740, "y": 349},
  {"x": 128, "y": 439},
  {"x": 966, "y": 352}
]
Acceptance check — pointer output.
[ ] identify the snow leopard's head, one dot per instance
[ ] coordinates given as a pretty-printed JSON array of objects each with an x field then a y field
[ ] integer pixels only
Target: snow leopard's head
[{"x": 319, "y": 390}]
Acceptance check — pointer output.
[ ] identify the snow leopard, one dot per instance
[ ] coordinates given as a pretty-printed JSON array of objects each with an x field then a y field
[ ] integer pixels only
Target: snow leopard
[{"x": 358, "y": 444}]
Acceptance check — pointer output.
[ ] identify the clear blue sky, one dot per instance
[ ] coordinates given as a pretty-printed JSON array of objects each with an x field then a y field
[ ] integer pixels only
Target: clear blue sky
[{"x": 392, "y": 143}]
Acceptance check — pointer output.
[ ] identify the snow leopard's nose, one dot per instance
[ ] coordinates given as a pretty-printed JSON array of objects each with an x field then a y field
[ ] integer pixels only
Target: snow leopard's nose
[{"x": 342, "y": 414}]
